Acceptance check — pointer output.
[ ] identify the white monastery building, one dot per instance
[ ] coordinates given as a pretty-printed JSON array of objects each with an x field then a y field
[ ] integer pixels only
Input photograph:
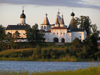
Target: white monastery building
[
  {"x": 59, "y": 32},
  {"x": 21, "y": 27}
]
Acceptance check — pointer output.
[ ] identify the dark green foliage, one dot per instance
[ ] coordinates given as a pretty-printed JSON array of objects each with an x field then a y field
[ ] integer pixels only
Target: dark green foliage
[
  {"x": 16, "y": 35},
  {"x": 2, "y": 38},
  {"x": 34, "y": 35},
  {"x": 9, "y": 36},
  {"x": 2, "y": 33},
  {"x": 91, "y": 45},
  {"x": 85, "y": 23},
  {"x": 3, "y": 46}
]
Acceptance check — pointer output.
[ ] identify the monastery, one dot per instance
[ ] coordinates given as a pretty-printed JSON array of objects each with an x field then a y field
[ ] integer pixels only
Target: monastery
[{"x": 58, "y": 32}]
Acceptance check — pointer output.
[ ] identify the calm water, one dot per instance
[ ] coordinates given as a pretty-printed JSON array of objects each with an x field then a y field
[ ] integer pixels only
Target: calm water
[{"x": 32, "y": 66}]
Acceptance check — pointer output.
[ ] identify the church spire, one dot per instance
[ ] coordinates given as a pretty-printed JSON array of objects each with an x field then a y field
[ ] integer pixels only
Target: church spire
[
  {"x": 62, "y": 20},
  {"x": 46, "y": 21},
  {"x": 57, "y": 21},
  {"x": 23, "y": 10},
  {"x": 71, "y": 25},
  {"x": 45, "y": 25},
  {"x": 59, "y": 18},
  {"x": 22, "y": 17}
]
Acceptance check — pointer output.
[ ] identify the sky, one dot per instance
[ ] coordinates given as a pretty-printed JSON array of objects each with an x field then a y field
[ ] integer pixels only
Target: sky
[{"x": 35, "y": 10}]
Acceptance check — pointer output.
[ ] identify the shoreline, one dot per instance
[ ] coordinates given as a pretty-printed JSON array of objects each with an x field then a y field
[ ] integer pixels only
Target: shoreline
[
  {"x": 43, "y": 60},
  {"x": 87, "y": 71}
]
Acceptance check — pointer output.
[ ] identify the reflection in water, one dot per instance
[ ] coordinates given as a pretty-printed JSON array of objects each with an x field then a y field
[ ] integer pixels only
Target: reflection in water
[{"x": 32, "y": 66}]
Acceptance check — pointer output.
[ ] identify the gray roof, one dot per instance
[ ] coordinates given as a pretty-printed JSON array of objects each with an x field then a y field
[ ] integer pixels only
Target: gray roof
[
  {"x": 62, "y": 20},
  {"x": 76, "y": 30},
  {"x": 17, "y": 27}
]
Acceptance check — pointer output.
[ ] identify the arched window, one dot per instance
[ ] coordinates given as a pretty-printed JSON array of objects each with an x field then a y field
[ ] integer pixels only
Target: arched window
[
  {"x": 62, "y": 40},
  {"x": 56, "y": 40}
]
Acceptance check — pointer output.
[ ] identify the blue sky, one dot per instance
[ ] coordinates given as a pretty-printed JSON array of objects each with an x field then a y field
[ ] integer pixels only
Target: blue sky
[{"x": 35, "y": 10}]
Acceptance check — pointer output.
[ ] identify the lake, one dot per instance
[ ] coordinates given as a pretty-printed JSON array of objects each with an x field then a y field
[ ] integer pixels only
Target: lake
[{"x": 32, "y": 66}]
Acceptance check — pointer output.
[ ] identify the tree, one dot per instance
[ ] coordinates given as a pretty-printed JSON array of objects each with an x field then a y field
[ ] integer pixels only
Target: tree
[
  {"x": 9, "y": 36},
  {"x": 2, "y": 37},
  {"x": 2, "y": 33},
  {"x": 16, "y": 35},
  {"x": 34, "y": 35},
  {"x": 91, "y": 45},
  {"x": 76, "y": 47},
  {"x": 84, "y": 22},
  {"x": 94, "y": 28},
  {"x": 37, "y": 53}
]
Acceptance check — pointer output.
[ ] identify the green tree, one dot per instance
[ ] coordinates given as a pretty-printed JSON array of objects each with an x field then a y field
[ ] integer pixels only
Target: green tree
[
  {"x": 94, "y": 28},
  {"x": 37, "y": 53},
  {"x": 84, "y": 22},
  {"x": 91, "y": 45},
  {"x": 9, "y": 36},
  {"x": 16, "y": 35},
  {"x": 76, "y": 47},
  {"x": 2, "y": 37},
  {"x": 34, "y": 35},
  {"x": 2, "y": 33}
]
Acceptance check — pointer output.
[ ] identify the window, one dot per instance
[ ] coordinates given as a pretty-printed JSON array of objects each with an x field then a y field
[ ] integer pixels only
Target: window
[
  {"x": 41, "y": 27},
  {"x": 44, "y": 27},
  {"x": 63, "y": 33}
]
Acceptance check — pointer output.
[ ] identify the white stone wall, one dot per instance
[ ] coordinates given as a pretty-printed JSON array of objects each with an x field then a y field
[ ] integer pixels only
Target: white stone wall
[
  {"x": 62, "y": 33},
  {"x": 58, "y": 33}
]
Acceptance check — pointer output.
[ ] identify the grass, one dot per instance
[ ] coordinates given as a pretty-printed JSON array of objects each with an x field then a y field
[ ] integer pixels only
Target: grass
[{"x": 87, "y": 71}]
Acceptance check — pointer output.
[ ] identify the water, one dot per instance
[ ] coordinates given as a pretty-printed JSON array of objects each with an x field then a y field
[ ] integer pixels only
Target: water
[{"x": 32, "y": 66}]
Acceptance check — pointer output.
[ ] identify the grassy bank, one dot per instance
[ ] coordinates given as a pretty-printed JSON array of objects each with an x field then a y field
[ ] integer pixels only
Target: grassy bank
[
  {"x": 88, "y": 71},
  {"x": 37, "y": 54}
]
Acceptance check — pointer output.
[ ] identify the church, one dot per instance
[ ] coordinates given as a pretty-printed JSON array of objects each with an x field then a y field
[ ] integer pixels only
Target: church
[
  {"x": 21, "y": 27},
  {"x": 61, "y": 33},
  {"x": 57, "y": 32}
]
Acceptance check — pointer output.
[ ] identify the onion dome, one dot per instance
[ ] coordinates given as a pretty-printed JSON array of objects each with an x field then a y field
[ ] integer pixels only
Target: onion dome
[
  {"x": 72, "y": 14},
  {"x": 22, "y": 15}
]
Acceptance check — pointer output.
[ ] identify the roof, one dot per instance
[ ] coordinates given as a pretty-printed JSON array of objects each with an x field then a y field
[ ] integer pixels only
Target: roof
[
  {"x": 49, "y": 31},
  {"x": 17, "y": 27},
  {"x": 59, "y": 28},
  {"x": 62, "y": 20},
  {"x": 46, "y": 21},
  {"x": 41, "y": 30},
  {"x": 57, "y": 20},
  {"x": 72, "y": 14},
  {"x": 76, "y": 30},
  {"x": 72, "y": 21},
  {"x": 22, "y": 15}
]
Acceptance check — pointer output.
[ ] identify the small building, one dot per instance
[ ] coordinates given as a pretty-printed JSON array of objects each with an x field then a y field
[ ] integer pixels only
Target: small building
[{"x": 21, "y": 27}]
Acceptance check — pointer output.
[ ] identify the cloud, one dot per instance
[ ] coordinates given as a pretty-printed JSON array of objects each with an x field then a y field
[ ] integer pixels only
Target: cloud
[{"x": 66, "y": 3}]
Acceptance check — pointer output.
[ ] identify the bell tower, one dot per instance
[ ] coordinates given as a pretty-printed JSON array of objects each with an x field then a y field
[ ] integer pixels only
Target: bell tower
[{"x": 22, "y": 17}]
